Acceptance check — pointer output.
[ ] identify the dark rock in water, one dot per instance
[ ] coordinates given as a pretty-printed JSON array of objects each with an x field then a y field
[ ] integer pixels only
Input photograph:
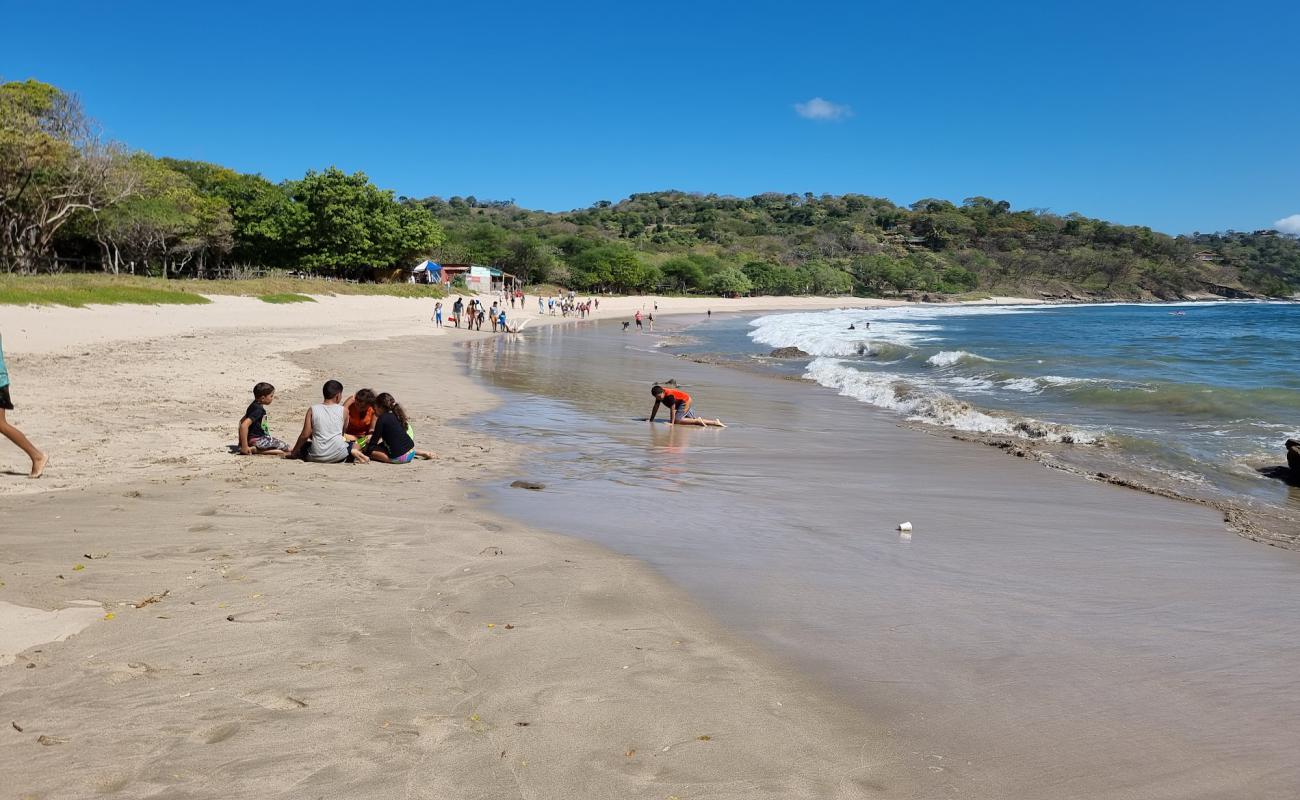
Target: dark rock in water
[
  {"x": 1293, "y": 456},
  {"x": 530, "y": 485},
  {"x": 788, "y": 352}
]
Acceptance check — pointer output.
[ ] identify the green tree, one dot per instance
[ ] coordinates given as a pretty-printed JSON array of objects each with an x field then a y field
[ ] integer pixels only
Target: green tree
[
  {"x": 350, "y": 226},
  {"x": 730, "y": 281},
  {"x": 52, "y": 166},
  {"x": 264, "y": 217},
  {"x": 164, "y": 225}
]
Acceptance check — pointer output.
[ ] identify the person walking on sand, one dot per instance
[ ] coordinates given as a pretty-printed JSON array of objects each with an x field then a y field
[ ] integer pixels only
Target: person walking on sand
[
  {"x": 437, "y": 313},
  {"x": 458, "y": 309},
  {"x": 39, "y": 459}
]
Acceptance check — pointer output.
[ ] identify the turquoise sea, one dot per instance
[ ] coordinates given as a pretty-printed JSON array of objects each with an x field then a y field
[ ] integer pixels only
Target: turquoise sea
[{"x": 1201, "y": 394}]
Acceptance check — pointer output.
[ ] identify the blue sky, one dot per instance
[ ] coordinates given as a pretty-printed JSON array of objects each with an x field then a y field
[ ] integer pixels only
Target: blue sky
[{"x": 1182, "y": 116}]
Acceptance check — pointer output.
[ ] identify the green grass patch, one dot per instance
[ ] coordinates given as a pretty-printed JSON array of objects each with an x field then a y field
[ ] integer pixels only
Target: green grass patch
[
  {"x": 286, "y": 297},
  {"x": 95, "y": 289},
  {"x": 38, "y": 291}
]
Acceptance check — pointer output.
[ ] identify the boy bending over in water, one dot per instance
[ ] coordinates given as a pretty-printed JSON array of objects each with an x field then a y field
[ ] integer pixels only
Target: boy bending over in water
[
  {"x": 679, "y": 408},
  {"x": 255, "y": 437}
]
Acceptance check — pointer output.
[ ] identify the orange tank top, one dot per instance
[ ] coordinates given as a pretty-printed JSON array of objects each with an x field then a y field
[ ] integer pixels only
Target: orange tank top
[
  {"x": 360, "y": 420},
  {"x": 677, "y": 395}
]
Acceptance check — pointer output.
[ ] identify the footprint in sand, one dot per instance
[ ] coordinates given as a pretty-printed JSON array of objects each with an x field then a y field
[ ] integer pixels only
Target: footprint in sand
[
  {"x": 220, "y": 733},
  {"x": 462, "y": 672},
  {"x": 208, "y": 512},
  {"x": 201, "y": 527},
  {"x": 275, "y": 701},
  {"x": 109, "y": 784}
]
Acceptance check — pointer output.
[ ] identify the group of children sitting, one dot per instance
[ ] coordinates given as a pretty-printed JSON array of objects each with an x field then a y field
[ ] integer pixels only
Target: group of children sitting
[{"x": 364, "y": 427}]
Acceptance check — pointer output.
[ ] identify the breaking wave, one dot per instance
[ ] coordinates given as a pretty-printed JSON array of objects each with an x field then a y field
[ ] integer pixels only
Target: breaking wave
[
  {"x": 947, "y": 358},
  {"x": 925, "y": 404}
]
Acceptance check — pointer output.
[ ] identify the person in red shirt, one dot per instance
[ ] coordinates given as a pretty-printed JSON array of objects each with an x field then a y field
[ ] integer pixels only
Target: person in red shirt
[{"x": 679, "y": 408}]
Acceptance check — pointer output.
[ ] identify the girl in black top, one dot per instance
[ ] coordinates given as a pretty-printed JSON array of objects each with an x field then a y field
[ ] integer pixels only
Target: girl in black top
[{"x": 391, "y": 442}]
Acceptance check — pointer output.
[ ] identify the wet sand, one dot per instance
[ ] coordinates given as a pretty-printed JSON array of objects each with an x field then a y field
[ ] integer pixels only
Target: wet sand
[
  {"x": 285, "y": 630},
  {"x": 1037, "y": 635}
]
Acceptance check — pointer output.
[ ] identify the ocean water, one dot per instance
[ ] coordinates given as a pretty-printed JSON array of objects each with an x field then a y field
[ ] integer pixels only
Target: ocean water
[
  {"x": 1202, "y": 394},
  {"x": 1036, "y": 635}
]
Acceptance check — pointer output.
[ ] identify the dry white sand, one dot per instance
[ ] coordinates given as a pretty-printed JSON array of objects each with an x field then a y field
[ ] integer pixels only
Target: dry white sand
[{"x": 278, "y": 629}]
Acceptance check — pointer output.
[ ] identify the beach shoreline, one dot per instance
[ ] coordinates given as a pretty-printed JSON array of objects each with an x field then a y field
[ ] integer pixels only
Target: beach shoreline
[
  {"x": 251, "y": 610},
  {"x": 254, "y": 608}
]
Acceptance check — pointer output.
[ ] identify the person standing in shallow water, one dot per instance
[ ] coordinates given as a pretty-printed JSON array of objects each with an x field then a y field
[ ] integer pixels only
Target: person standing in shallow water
[{"x": 10, "y": 432}]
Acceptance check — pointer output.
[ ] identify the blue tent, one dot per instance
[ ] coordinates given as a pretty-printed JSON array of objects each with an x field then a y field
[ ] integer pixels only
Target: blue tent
[{"x": 427, "y": 271}]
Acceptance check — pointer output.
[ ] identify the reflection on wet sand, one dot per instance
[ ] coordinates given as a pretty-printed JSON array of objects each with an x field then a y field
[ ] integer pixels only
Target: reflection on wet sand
[{"x": 1039, "y": 636}]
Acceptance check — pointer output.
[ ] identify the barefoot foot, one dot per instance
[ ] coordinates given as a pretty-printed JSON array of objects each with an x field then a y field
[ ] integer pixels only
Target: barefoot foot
[{"x": 38, "y": 465}]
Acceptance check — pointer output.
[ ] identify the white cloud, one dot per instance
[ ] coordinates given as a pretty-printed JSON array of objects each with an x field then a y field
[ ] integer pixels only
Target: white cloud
[
  {"x": 821, "y": 109},
  {"x": 1289, "y": 224}
]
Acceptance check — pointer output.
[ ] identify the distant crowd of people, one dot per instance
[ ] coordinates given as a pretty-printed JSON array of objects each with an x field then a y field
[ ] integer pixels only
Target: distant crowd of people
[{"x": 471, "y": 315}]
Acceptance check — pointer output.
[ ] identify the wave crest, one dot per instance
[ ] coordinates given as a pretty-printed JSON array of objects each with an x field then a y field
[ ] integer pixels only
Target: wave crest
[
  {"x": 947, "y": 358},
  {"x": 891, "y": 391}
]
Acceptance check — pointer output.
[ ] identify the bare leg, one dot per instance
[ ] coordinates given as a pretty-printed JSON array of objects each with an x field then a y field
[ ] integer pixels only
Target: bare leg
[
  {"x": 378, "y": 455},
  {"x": 700, "y": 422},
  {"x": 360, "y": 457},
  {"x": 16, "y": 436},
  {"x": 425, "y": 454}
]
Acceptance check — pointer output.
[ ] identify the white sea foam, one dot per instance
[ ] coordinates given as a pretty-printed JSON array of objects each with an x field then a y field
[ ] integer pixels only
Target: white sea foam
[
  {"x": 947, "y": 358},
  {"x": 1028, "y": 385},
  {"x": 927, "y": 404},
  {"x": 976, "y": 384},
  {"x": 827, "y": 333}
]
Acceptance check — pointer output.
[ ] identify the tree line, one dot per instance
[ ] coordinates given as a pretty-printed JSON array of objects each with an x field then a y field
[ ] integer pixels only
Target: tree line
[
  {"x": 830, "y": 244},
  {"x": 65, "y": 193}
]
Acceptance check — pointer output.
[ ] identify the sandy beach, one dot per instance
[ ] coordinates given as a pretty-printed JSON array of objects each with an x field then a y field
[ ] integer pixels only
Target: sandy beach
[
  {"x": 178, "y": 622},
  {"x": 279, "y": 629}
]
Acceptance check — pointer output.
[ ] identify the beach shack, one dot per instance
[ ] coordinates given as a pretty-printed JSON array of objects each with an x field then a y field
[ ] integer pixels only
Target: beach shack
[{"x": 479, "y": 278}]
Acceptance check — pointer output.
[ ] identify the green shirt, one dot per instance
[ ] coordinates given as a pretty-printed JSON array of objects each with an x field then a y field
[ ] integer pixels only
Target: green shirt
[{"x": 4, "y": 373}]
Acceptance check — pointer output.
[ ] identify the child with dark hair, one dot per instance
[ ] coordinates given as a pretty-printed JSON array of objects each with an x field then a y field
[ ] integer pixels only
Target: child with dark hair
[
  {"x": 322, "y": 439},
  {"x": 361, "y": 416},
  {"x": 679, "y": 408},
  {"x": 255, "y": 437},
  {"x": 393, "y": 442},
  {"x": 11, "y": 433}
]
